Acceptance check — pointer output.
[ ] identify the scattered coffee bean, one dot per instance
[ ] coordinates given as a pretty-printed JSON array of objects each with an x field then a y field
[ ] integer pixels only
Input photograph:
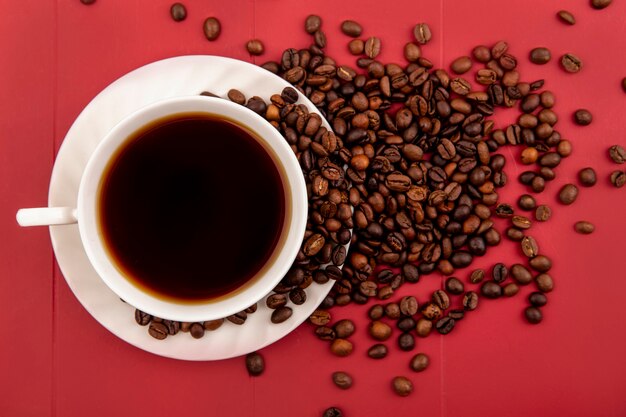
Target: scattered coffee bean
[
  {"x": 568, "y": 194},
  {"x": 406, "y": 342},
  {"x": 319, "y": 317},
  {"x": 526, "y": 202},
  {"x": 454, "y": 286},
  {"x": 379, "y": 330},
  {"x": 332, "y": 412},
  {"x": 533, "y": 315},
  {"x": 491, "y": 289},
  {"x": 178, "y": 12},
  {"x": 255, "y": 47},
  {"x": 422, "y": 33},
  {"x": 312, "y": 24},
  {"x": 499, "y": 272},
  {"x": 510, "y": 289},
  {"x": 617, "y": 154},
  {"x": 351, "y": 28},
  {"x": 521, "y": 222},
  {"x": 624, "y": 84},
  {"x": 281, "y": 314},
  {"x": 376, "y": 312},
  {"x": 419, "y": 362},
  {"x": 158, "y": 330},
  {"x": 461, "y": 65},
  {"x": 618, "y": 178},
  {"x": 521, "y": 274},
  {"x": 571, "y": 63},
  {"x": 212, "y": 28},
  {"x": 541, "y": 263},
  {"x": 211, "y": 325},
  {"x": 344, "y": 328},
  {"x": 544, "y": 282},
  {"x": 342, "y": 380},
  {"x": 423, "y": 327},
  {"x": 587, "y": 177},
  {"x": 538, "y": 299},
  {"x": 584, "y": 228},
  {"x": 196, "y": 330},
  {"x": 142, "y": 319},
  {"x": 409, "y": 306},
  {"x": 441, "y": 299},
  {"x": 477, "y": 276},
  {"x": 372, "y": 47},
  {"x": 470, "y": 301},
  {"x": 377, "y": 351},
  {"x": 566, "y": 17},
  {"x": 87, "y": 2},
  {"x": 236, "y": 96},
  {"x": 583, "y": 117},
  {"x": 356, "y": 46},
  {"x": 255, "y": 364},
  {"x": 514, "y": 233},
  {"x": 445, "y": 325},
  {"x": 600, "y": 4},
  {"x": 341, "y": 347},
  {"x": 540, "y": 56},
  {"x": 392, "y": 311},
  {"x": 529, "y": 246},
  {"x": 402, "y": 386},
  {"x": 543, "y": 213},
  {"x": 481, "y": 54}
]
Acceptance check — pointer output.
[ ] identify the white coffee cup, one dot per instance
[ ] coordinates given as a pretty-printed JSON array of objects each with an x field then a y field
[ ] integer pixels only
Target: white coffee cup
[{"x": 85, "y": 214}]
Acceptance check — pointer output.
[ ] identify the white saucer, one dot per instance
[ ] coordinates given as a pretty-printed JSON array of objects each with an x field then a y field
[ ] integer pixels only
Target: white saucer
[{"x": 179, "y": 76}]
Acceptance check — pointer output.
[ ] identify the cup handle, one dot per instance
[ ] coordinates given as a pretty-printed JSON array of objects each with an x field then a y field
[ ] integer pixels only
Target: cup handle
[{"x": 46, "y": 216}]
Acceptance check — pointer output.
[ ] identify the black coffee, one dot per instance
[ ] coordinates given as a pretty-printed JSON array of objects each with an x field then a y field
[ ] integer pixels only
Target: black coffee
[{"x": 191, "y": 207}]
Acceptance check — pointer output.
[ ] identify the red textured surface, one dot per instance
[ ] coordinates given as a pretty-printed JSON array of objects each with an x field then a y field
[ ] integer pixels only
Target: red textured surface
[{"x": 55, "y": 360}]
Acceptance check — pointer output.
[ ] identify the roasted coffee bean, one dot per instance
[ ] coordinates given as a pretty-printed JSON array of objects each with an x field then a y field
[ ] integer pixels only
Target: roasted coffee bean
[
  {"x": 344, "y": 328},
  {"x": 544, "y": 282},
  {"x": 312, "y": 24},
  {"x": 461, "y": 65},
  {"x": 529, "y": 246},
  {"x": 454, "y": 286},
  {"x": 351, "y": 28},
  {"x": 481, "y": 54},
  {"x": 402, "y": 386},
  {"x": 510, "y": 289},
  {"x": 470, "y": 301},
  {"x": 332, "y": 412},
  {"x": 158, "y": 330},
  {"x": 624, "y": 84},
  {"x": 281, "y": 314},
  {"x": 422, "y": 33},
  {"x": 275, "y": 301},
  {"x": 521, "y": 222},
  {"x": 356, "y": 46},
  {"x": 504, "y": 210},
  {"x": 584, "y": 227},
  {"x": 372, "y": 47},
  {"x": 583, "y": 117},
  {"x": 568, "y": 194},
  {"x": 319, "y": 317},
  {"x": 499, "y": 272},
  {"x": 566, "y": 17},
  {"x": 600, "y": 4},
  {"x": 178, "y": 12},
  {"x": 431, "y": 311},
  {"x": 406, "y": 342},
  {"x": 477, "y": 276},
  {"x": 514, "y": 233},
  {"x": 410, "y": 273},
  {"x": 423, "y": 327},
  {"x": 212, "y": 28},
  {"x": 419, "y": 362},
  {"x": 541, "y": 263},
  {"x": 408, "y": 306},
  {"x": 255, "y": 364},
  {"x": 526, "y": 202},
  {"x": 87, "y": 2},
  {"x": 392, "y": 310},
  {"x": 441, "y": 299},
  {"x": 142, "y": 319},
  {"x": 211, "y": 325},
  {"x": 617, "y": 154},
  {"x": 618, "y": 178},
  {"x": 325, "y": 333},
  {"x": 533, "y": 315},
  {"x": 342, "y": 379},
  {"x": 587, "y": 177},
  {"x": 341, "y": 347},
  {"x": 543, "y": 213},
  {"x": 255, "y": 47},
  {"x": 540, "y": 56},
  {"x": 521, "y": 274},
  {"x": 377, "y": 351},
  {"x": 537, "y": 299},
  {"x": 445, "y": 325},
  {"x": 491, "y": 289},
  {"x": 571, "y": 63},
  {"x": 196, "y": 330},
  {"x": 379, "y": 330},
  {"x": 376, "y": 312},
  {"x": 173, "y": 327}
]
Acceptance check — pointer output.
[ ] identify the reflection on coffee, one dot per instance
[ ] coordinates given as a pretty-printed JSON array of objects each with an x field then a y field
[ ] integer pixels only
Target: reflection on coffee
[{"x": 192, "y": 207}]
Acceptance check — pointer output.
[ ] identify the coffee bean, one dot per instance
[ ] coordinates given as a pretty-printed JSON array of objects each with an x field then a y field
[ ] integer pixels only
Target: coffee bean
[
  {"x": 87, "y": 2},
  {"x": 158, "y": 330},
  {"x": 212, "y": 28},
  {"x": 312, "y": 24},
  {"x": 514, "y": 233},
  {"x": 499, "y": 49},
  {"x": 618, "y": 178},
  {"x": 341, "y": 347},
  {"x": 571, "y": 63},
  {"x": 461, "y": 65},
  {"x": 412, "y": 52},
  {"x": 510, "y": 289},
  {"x": 178, "y": 12},
  {"x": 587, "y": 177},
  {"x": 196, "y": 330},
  {"x": 543, "y": 213},
  {"x": 211, "y": 325},
  {"x": 356, "y": 46},
  {"x": 402, "y": 386},
  {"x": 410, "y": 273},
  {"x": 504, "y": 210},
  {"x": 376, "y": 312},
  {"x": 566, "y": 17},
  {"x": 423, "y": 327},
  {"x": 344, "y": 328},
  {"x": 521, "y": 274},
  {"x": 379, "y": 330},
  {"x": 255, "y": 364},
  {"x": 529, "y": 246},
  {"x": 377, "y": 351},
  {"x": 332, "y": 412},
  {"x": 319, "y": 317},
  {"x": 342, "y": 380},
  {"x": 529, "y": 156},
  {"x": 319, "y": 37},
  {"x": 372, "y": 47},
  {"x": 540, "y": 56},
  {"x": 477, "y": 276},
  {"x": 470, "y": 301},
  {"x": 568, "y": 194},
  {"x": 624, "y": 84},
  {"x": 419, "y": 362},
  {"x": 431, "y": 311},
  {"x": 521, "y": 222},
  {"x": 406, "y": 342},
  {"x": 533, "y": 315},
  {"x": 445, "y": 325},
  {"x": 600, "y": 4},
  {"x": 351, "y": 28},
  {"x": 454, "y": 286},
  {"x": 392, "y": 311},
  {"x": 441, "y": 299},
  {"x": 544, "y": 282},
  {"x": 583, "y": 117},
  {"x": 238, "y": 318},
  {"x": 541, "y": 263},
  {"x": 422, "y": 33},
  {"x": 173, "y": 327},
  {"x": 142, "y": 319},
  {"x": 537, "y": 299},
  {"x": 491, "y": 289},
  {"x": 408, "y": 306},
  {"x": 584, "y": 227},
  {"x": 526, "y": 202},
  {"x": 617, "y": 154},
  {"x": 481, "y": 54},
  {"x": 255, "y": 47}
]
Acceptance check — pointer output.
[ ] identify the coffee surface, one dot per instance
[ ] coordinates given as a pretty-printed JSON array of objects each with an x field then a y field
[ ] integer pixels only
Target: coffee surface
[{"x": 191, "y": 207}]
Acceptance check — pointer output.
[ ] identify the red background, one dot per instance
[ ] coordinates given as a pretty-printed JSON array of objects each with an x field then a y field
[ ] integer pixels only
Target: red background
[{"x": 56, "y": 360}]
